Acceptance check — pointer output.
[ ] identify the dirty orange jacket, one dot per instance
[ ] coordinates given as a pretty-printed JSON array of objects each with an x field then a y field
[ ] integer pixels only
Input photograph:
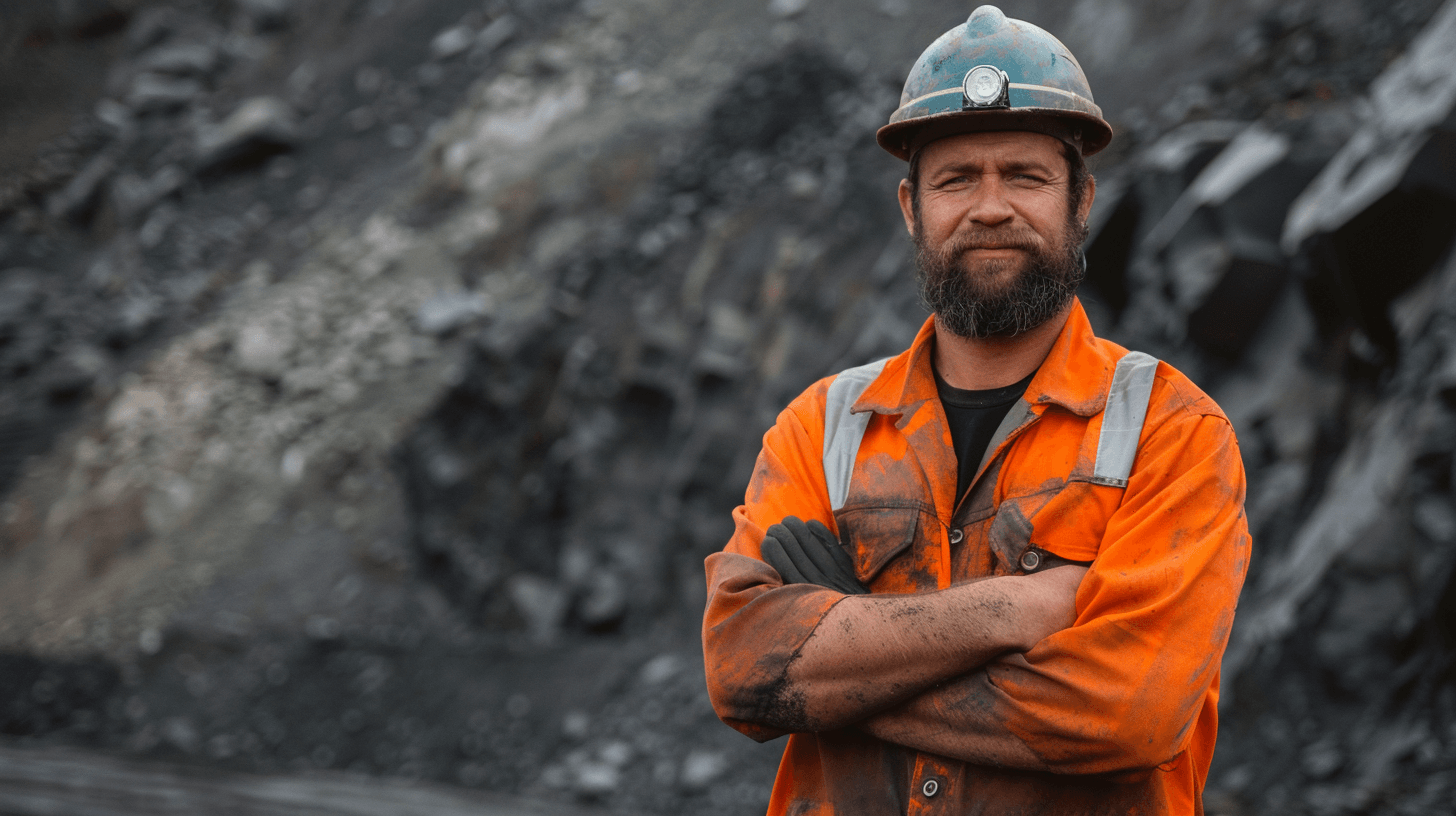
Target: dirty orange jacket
[{"x": 1120, "y": 710}]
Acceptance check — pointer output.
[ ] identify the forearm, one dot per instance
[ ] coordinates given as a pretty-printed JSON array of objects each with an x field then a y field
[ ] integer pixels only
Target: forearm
[
  {"x": 954, "y": 720},
  {"x": 871, "y": 652}
]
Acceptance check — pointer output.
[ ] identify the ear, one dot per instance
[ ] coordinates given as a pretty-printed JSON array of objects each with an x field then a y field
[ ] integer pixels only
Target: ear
[
  {"x": 1087, "y": 199},
  {"x": 907, "y": 205}
]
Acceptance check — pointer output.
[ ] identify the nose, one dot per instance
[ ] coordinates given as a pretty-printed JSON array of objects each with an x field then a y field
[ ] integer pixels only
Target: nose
[{"x": 989, "y": 204}]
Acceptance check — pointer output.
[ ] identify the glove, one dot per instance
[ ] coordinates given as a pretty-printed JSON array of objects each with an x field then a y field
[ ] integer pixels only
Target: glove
[{"x": 810, "y": 554}]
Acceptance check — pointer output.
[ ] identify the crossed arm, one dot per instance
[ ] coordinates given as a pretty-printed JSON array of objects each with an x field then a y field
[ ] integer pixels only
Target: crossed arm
[
  {"x": 985, "y": 670},
  {"x": 871, "y": 652}
]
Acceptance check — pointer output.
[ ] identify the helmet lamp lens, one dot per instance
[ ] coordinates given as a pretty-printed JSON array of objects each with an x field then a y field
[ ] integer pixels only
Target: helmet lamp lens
[{"x": 985, "y": 86}]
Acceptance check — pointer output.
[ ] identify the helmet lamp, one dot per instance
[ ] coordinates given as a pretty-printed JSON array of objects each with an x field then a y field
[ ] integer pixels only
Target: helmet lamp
[{"x": 986, "y": 86}]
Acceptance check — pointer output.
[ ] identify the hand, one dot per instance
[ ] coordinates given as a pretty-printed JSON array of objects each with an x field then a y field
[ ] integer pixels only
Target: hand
[
  {"x": 810, "y": 554},
  {"x": 1048, "y": 602}
]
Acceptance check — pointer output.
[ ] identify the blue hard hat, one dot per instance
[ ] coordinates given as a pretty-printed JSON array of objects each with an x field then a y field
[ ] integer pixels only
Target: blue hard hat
[{"x": 995, "y": 73}]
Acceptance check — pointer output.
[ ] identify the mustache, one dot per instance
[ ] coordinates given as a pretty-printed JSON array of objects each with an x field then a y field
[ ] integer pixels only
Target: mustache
[{"x": 991, "y": 238}]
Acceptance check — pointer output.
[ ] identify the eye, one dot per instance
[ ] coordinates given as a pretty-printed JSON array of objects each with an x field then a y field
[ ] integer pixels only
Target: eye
[{"x": 952, "y": 182}]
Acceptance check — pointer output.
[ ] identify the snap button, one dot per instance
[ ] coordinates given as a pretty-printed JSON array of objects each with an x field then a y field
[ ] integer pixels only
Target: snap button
[
  {"x": 930, "y": 788},
  {"x": 1030, "y": 560},
  {"x": 957, "y": 535}
]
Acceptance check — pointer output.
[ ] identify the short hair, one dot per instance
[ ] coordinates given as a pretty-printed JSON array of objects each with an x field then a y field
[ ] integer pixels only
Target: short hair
[{"x": 1077, "y": 176}]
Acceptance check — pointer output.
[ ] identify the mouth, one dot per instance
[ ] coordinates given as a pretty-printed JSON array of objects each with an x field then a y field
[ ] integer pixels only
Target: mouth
[{"x": 998, "y": 249}]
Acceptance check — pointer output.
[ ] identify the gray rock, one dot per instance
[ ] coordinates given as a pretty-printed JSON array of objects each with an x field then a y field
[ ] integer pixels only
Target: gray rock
[
  {"x": 541, "y": 603},
  {"x": 132, "y": 195},
  {"x": 151, "y": 25},
  {"x": 263, "y": 348},
  {"x": 1321, "y": 759},
  {"x": 1246, "y": 157},
  {"x": 701, "y": 769},
  {"x": 1240, "y": 284},
  {"x": 266, "y": 14},
  {"x": 1176, "y": 150},
  {"x": 605, "y": 601},
  {"x": 181, "y": 734},
  {"x": 116, "y": 116},
  {"x": 452, "y": 42},
  {"x": 575, "y": 724},
  {"x": 74, "y": 373},
  {"x": 448, "y": 311},
  {"x": 20, "y": 292},
  {"x": 595, "y": 779},
  {"x": 1413, "y": 98},
  {"x": 498, "y": 33},
  {"x": 157, "y": 225},
  {"x": 787, "y": 8},
  {"x": 181, "y": 59},
  {"x": 77, "y": 197},
  {"x": 154, "y": 92},
  {"x": 137, "y": 316},
  {"x": 1367, "y": 478},
  {"x": 259, "y": 124},
  {"x": 1435, "y": 518},
  {"x": 660, "y": 669}
]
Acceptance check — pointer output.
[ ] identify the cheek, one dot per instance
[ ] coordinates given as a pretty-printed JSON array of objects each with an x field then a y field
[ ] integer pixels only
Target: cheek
[
  {"x": 1047, "y": 214},
  {"x": 940, "y": 218}
]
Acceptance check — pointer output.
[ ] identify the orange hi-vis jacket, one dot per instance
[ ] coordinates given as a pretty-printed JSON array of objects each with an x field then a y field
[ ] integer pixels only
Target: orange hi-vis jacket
[{"x": 1119, "y": 710}]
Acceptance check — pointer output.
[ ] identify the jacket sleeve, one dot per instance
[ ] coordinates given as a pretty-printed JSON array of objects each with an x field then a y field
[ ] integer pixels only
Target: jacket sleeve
[
  {"x": 1122, "y": 689},
  {"x": 754, "y": 625}
]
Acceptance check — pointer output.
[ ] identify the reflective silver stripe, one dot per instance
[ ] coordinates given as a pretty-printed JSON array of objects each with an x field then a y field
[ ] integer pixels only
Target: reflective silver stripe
[
  {"x": 844, "y": 430},
  {"x": 1122, "y": 420}
]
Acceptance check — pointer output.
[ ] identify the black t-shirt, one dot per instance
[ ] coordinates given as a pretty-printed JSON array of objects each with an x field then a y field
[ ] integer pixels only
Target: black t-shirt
[{"x": 974, "y": 417}]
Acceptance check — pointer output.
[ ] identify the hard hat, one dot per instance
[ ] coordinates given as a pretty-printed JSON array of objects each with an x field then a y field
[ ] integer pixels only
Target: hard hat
[{"x": 995, "y": 73}]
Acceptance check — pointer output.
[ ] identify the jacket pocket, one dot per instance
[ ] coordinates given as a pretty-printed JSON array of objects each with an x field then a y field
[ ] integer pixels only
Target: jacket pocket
[
  {"x": 875, "y": 535},
  {"x": 1073, "y": 523}
]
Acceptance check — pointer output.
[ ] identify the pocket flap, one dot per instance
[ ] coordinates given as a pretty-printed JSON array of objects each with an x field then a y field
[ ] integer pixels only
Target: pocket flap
[
  {"x": 1009, "y": 536},
  {"x": 875, "y": 535}
]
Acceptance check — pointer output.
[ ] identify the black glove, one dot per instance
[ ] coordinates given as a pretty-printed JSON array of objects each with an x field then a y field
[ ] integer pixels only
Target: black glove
[{"x": 810, "y": 554}]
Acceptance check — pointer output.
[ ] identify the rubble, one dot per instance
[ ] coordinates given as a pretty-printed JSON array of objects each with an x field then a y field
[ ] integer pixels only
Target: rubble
[{"x": 260, "y": 124}]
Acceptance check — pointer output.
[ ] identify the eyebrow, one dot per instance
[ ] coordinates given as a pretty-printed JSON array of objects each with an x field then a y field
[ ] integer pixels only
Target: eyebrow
[{"x": 1012, "y": 166}]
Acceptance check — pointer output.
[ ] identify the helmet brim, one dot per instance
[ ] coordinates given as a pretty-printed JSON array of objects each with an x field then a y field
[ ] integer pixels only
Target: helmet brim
[{"x": 1085, "y": 132}]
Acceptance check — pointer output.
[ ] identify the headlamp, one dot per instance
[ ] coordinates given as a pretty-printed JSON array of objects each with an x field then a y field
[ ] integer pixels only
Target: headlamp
[{"x": 986, "y": 86}]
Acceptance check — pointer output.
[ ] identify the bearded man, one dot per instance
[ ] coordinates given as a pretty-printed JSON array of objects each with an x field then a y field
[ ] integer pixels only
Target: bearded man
[{"x": 994, "y": 573}]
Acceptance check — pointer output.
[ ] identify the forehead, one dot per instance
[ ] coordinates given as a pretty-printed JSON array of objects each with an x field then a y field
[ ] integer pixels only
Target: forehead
[{"x": 994, "y": 147}]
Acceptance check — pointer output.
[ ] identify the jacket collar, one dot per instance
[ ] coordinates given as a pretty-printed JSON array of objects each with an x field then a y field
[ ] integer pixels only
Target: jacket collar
[{"x": 1075, "y": 374}]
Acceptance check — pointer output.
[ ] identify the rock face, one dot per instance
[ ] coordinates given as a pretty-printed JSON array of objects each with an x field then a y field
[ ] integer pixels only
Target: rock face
[{"x": 423, "y": 348}]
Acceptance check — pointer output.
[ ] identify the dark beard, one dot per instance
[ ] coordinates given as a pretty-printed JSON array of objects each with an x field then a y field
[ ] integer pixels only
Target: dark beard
[{"x": 966, "y": 305}]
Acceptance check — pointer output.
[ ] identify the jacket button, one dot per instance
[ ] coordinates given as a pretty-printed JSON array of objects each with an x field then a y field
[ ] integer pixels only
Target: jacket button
[
  {"x": 930, "y": 788},
  {"x": 957, "y": 535},
  {"x": 1030, "y": 560}
]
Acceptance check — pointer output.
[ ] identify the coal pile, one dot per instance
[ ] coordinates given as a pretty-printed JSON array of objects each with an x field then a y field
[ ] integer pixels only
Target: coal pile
[{"x": 377, "y": 375}]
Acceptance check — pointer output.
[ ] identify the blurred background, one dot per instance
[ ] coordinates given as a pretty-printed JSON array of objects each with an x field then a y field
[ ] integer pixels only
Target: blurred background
[{"x": 375, "y": 376}]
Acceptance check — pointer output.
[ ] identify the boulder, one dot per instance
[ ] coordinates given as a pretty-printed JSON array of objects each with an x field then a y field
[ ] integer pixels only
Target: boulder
[
  {"x": 161, "y": 92},
  {"x": 260, "y": 126}
]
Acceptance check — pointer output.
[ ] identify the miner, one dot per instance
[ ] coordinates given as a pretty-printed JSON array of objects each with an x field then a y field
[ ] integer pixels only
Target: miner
[{"x": 996, "y": 572}]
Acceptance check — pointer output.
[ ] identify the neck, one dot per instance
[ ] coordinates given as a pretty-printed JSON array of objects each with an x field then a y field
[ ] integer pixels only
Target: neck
[{"x": 994, "y": 362}]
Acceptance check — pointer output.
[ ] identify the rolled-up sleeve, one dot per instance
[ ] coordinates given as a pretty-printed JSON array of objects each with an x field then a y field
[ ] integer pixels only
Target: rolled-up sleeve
[{"x": 754, "y": 625}]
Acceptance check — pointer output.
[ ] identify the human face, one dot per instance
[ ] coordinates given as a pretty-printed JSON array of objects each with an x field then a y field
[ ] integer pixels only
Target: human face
[{"x": 997, "y": 240}]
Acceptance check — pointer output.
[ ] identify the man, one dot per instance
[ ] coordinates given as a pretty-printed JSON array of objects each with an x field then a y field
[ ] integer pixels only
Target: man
[{"x": 995, "y": 573}]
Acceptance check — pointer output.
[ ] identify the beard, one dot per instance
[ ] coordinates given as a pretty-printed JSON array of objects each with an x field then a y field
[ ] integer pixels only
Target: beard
[{"x": 968, "y": 297}]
